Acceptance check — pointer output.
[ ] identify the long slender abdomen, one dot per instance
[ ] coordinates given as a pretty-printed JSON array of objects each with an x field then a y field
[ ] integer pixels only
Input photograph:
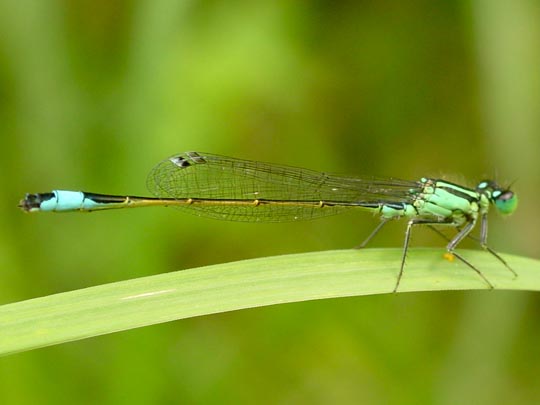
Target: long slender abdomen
[{"x": 65, "y": 200}]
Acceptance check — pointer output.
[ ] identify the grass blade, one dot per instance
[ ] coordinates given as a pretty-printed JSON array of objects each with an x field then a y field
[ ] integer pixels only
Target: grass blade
[{"x": 225, "y": 287}]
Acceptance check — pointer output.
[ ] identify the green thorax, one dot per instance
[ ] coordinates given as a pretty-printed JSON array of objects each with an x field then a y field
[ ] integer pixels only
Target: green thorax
[{"x": 448, "y": 202}]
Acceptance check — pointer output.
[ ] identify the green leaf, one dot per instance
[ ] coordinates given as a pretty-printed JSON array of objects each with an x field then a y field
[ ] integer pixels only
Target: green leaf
[{"x": 246, "y": 284}]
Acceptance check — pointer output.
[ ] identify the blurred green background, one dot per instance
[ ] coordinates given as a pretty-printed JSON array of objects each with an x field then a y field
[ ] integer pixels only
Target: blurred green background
[{"x": 94, "y": 93}]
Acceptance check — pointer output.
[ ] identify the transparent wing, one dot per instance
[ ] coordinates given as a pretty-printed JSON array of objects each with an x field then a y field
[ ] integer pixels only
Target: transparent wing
[{"x": 212, "y": 177}]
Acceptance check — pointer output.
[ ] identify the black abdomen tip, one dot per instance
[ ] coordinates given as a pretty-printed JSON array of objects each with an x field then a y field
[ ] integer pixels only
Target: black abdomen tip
[{"x": 33, "y": 201}]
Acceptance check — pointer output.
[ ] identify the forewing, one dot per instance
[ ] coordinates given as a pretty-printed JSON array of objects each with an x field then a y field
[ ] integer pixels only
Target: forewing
[{"x": 213, "y": 177}]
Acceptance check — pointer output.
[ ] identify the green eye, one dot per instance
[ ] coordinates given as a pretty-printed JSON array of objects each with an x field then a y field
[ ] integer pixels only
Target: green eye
[{"x": 506, "y": 202}]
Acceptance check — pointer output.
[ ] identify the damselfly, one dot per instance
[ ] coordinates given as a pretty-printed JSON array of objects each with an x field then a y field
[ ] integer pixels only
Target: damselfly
[{"x": 241, "y": 190}]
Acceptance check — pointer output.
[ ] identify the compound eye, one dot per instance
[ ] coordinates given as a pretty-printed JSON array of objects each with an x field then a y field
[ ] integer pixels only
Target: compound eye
[{"x": 506, "y": 202}]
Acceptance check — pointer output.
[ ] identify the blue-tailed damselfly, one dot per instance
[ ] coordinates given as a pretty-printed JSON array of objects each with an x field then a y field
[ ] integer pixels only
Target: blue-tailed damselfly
[{"x": 241, "y": 190}]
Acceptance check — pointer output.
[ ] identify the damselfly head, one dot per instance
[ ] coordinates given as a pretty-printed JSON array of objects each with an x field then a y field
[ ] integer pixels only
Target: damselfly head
[{"x": 505, "y": 200}]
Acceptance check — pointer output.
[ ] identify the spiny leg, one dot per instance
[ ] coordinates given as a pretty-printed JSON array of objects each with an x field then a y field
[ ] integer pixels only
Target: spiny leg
[
  {"x": 500, "y": 259},
  {"x": 462, "y": 234},
  {"x": 410, "y": 224},
  {"x": 405, "y": 248},
  {"x": 372, "y": 234},
  {"x": 483, "y": 243}
]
